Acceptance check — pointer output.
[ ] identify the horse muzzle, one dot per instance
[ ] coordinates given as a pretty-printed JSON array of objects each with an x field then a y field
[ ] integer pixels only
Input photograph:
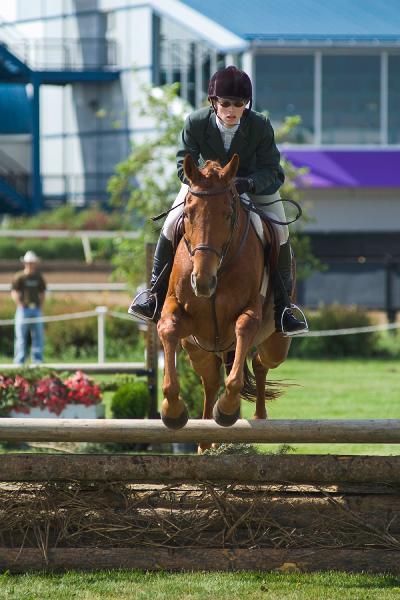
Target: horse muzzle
[{"x": 203, "y": 288}]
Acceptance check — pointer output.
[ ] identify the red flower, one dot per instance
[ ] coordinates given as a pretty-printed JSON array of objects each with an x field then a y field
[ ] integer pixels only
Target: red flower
[
  {"x": 50, "y": 392},
  {"x": 83, "y": 390}
]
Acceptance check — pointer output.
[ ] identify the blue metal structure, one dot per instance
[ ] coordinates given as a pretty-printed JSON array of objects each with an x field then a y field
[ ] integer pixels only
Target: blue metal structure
[{"x": 15, "y": 71}]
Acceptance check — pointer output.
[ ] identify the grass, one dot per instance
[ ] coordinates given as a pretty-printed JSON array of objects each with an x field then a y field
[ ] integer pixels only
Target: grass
[
  {"x": 337, "y": 389},
  {"x": 134, "y": 585}
]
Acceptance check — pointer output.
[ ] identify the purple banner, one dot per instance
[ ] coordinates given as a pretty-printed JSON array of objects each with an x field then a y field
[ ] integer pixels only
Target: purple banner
[{"x": 347, "y": 168}]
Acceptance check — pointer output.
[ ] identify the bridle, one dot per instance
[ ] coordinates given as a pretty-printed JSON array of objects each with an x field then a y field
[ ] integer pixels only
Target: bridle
[{"x": 234, "y": 221}]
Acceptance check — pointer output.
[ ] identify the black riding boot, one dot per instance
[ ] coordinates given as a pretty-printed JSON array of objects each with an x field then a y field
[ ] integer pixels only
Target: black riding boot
[
  {"x": 150, "y": 306},
  {"x": 285, "y": 320}
]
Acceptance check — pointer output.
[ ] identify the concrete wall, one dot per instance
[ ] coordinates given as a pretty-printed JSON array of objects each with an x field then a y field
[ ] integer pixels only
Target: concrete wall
[{"x": 350, "y": 209}]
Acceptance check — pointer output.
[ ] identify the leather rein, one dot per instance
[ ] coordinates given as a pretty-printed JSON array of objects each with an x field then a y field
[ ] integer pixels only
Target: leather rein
[{"x": 221, "y": 254}]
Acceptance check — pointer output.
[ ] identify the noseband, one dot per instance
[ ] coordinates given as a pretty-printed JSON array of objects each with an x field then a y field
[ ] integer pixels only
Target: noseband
[{"x": 205, "y": 247}]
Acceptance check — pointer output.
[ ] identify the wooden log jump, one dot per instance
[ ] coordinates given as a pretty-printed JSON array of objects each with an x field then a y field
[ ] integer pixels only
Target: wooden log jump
[
  {"x": 225, "y": 513},
  {"x": 372, "y": 431},
  {"x": 267, "y": 468}
]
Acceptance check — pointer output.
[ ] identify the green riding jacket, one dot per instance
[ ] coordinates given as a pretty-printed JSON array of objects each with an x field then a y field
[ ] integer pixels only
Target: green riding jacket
[{"x": 254, "y": 142}]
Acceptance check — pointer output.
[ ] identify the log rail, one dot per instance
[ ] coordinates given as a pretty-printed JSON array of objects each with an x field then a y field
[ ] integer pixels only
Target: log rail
[{"x": 361, "y": 431}]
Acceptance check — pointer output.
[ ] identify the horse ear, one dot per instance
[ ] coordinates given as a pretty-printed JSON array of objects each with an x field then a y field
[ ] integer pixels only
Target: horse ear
[
  {"x": 230, "y": 170},
  {"x": 190, "y": 168}
]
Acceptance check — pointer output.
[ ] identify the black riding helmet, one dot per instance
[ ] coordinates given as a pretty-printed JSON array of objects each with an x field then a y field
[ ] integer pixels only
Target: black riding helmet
[{"x": 230, "y": 83}]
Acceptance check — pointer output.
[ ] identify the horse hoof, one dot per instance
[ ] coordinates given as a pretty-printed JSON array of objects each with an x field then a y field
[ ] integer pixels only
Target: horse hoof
[
  {"x": 223, "y": 419},
  {"x": 176, "y": 422}
]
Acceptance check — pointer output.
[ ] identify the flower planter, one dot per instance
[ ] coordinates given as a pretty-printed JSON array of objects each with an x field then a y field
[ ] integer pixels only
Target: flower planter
[{"x": 71, "y": 411}]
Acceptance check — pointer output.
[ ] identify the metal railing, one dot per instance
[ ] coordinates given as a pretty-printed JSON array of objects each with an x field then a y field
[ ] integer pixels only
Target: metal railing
[{"x": 65, "y": 54}]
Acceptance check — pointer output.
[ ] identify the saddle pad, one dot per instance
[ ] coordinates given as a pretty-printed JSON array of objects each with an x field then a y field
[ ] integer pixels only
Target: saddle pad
[{"x": 259, "y": 229}]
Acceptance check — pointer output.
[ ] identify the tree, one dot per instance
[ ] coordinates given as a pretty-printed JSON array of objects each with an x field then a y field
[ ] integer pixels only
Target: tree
[{"x": 145, "y": 183}]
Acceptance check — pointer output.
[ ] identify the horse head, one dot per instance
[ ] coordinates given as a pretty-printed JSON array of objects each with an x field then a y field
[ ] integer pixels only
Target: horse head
[{"x": 210, "y": 216}]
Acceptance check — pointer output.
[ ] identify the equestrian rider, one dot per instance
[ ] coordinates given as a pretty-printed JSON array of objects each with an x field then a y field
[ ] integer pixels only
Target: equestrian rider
[{"x": 217, "y": 132}]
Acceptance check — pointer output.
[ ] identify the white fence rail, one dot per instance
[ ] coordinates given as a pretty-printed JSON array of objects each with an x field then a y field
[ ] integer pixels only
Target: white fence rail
[{"x": 101, "y": 312}]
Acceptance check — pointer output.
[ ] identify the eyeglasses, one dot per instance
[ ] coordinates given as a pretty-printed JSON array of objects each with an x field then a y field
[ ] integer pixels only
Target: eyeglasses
[{"x": 227, "y": 103}]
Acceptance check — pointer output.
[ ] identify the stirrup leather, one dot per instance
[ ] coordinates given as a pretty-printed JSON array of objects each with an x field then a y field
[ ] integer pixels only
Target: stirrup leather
[{"x": 299, "y": 331}]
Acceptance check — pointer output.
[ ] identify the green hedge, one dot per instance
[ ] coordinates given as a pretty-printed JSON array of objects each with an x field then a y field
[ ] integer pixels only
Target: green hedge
[
  {"x": 55, "y": 248},
  {"x": 337, "y": 317},
  {"x": 68, "y": 217}
]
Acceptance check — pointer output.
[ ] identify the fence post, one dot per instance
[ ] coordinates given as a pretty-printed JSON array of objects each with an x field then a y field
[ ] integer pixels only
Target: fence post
[
  {"x": 390, "y": 307},
  {"x": 152, "y": 345},
  {"x": 101, "y": 336}
]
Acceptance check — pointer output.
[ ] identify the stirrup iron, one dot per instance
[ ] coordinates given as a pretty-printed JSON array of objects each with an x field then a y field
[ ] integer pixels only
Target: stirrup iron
[
  {"x": 299, "y": 331},
  {"x": 136, "y": 315}
]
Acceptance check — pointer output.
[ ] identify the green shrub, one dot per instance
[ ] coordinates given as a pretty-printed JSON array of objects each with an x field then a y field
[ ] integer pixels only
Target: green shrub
[
  {"x": 131, "y": 401},
  {"x": 336, "y": 316},
  {"x": 47, "y": 249},
  {"x": 55, "y": 248},
  {"x": 191, "y": 386},
  {"x": 68, "y": 217},
  {"x": 388, "y": 345}
]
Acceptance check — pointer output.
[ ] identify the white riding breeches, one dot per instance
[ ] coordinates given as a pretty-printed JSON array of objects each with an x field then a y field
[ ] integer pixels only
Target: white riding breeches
[{"x": 276, "y": 211}]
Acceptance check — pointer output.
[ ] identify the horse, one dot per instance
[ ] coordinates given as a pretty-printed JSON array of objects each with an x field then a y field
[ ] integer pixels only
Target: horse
[{"x": 214, "y": 306}]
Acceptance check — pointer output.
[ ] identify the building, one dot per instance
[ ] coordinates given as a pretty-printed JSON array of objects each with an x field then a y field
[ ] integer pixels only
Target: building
[{"x": 336, "y": 64}]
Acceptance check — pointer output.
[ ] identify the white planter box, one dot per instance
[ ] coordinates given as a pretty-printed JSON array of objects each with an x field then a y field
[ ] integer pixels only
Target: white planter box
[{"x": 71, "y": 411}]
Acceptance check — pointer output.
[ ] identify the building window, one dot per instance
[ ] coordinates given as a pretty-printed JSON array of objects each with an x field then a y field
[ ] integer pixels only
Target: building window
[
  {"x": 394, "y": 100},
  {"x": 182, "y": 58},
  {"x": 351, "y": 99},
  {"x": 285, "y": 87}
]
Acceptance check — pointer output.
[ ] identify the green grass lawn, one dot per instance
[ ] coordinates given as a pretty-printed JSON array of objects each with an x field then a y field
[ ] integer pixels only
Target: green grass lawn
[
  {"x": 132, "y": 585},
  {"x": 342, "y": 389}
]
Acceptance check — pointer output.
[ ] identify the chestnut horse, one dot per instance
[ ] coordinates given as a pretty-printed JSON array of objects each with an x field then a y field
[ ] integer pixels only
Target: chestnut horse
[{"x": 214, "y": 304}]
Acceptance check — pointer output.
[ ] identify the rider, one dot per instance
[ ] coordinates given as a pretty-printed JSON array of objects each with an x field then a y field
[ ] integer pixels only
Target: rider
[{"x": 217, "y": 132}]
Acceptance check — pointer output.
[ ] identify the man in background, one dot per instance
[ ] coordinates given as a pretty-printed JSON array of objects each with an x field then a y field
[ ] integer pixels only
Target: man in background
[{"x": 28, "y": 292}]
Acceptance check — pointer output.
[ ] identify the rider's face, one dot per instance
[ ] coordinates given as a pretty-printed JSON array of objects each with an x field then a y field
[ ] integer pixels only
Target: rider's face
[{"x": 230, "y": 110}]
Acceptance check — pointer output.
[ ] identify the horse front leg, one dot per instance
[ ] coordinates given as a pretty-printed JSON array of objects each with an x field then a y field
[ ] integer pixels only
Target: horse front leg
[
  {"x": 208, "y": 368},
  {"x": 170, "y": 327},
  {"x": 227, "y": 409}
]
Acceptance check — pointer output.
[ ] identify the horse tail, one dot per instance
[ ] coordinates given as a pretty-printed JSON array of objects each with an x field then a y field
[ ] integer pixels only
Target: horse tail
[
  {"x": 249, "y": 391},
  {"x": 273, "y": 389}
]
